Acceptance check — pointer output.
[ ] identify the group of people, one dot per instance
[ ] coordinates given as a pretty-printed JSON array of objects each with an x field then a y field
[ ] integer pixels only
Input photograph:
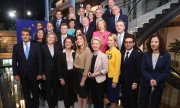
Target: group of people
[{"x": 90, "y": 56}]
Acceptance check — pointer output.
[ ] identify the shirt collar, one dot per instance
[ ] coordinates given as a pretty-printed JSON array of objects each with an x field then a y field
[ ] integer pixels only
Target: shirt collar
[
  {"x": 28, "y": 43},
  {"x": 64, "y": 51},
  {"x": 64, "y": 35},
  {"x": 129, "y": 51},
  {"x": 122, "y": 34}
]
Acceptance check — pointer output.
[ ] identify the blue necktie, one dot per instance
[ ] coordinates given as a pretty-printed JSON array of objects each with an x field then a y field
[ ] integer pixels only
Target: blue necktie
[{"x": 26, "y": 51}]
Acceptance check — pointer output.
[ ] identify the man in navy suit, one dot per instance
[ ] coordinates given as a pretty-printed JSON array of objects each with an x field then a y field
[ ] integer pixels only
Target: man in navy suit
[
  {"x": 57, "y": 21},
  {"x": 130, "y": 73},
  {"x": 117, "y": 16},
  {"x": 62, "y": 35},
  {"x": 121, "y": 34},
  {"x": 27, "y": 67},
  {"x": 108, "y": 13}
]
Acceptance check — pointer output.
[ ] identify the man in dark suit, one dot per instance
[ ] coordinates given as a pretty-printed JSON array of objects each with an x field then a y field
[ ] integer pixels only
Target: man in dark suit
[
  {"x": 108, "y": 12},
  {"x": 130, "y": 73},
  {"x": 120, "y": 28},
  {"x": 81, "y": 14},
  {"x": 87, "y": 29},
  {"x": 27, "y": 67},
  {"x": 57, "y": 21},
  {"x": 62, "y": 35},
  {"x": 117, "y": 16},
  {"x": 99, "y": 13}
]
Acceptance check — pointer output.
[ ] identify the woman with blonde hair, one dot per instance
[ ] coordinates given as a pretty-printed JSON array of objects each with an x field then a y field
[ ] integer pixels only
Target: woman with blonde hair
[
  {"x": 50, "y": 53},
  {"x": 81, "y": 65},
  {"x": 102, "y": 33},
  {"x": 114, "y": 64},
  {"x": 97, "y": 73}
]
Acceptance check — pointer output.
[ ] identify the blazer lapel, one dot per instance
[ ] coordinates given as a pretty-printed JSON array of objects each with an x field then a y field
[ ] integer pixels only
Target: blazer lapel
[
  {"x": 98, "y": 62},
  {"x": 22, "y": 51},
  {"x": 158, "y": 61},
  {"x": 150, "y": 60},
  {"x": 48, "y": 51}
]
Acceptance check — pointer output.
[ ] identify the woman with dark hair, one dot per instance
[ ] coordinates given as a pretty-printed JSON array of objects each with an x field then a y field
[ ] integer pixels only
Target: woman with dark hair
[
  {"x": 39, "y": 25},
  {"x": 40, "y": 37},
  {"x": 50, "y": 53},
  {"x": 66, "y": 72},
  {"x": 72, "y": 26},
  {"x": 155, "y": 69},
  {"x": 81, "y": 65},
  {"x": 77, "y": 32}
]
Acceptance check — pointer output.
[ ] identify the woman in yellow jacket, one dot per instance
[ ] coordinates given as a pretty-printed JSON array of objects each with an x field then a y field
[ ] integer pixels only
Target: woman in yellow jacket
[{"x": 114, "y": 63}]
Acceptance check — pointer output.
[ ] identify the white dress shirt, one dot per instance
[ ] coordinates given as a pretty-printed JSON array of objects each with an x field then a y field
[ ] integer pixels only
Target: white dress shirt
[
  {"x": 130, "y": 51},
  {"x": 51, "y": 49},
  {"x": 69, "y": 60}
]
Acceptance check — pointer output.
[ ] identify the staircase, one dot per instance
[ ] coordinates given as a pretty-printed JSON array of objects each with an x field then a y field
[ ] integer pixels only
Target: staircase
[{"x": 159, "y": 21}]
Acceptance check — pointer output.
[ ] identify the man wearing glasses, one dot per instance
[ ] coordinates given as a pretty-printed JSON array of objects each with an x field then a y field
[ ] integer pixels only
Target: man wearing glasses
[{"x": 130, "y": 73}]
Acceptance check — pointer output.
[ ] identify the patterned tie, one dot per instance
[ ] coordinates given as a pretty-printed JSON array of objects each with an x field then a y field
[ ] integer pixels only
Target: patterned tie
[{"x": 27, "y": 51}]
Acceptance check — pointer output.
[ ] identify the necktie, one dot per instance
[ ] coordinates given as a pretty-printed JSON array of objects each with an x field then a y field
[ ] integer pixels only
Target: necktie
[
  {"x": 85, "y": 31},
  {"x": 26, "y": 51},
  {"x": 116, "y": 19},
  {"x": 126, "y": 58},
  {"x": 63, "y": 37},
  {"x": 119, "y": 42},
  {"x": 57, "y": 25}
]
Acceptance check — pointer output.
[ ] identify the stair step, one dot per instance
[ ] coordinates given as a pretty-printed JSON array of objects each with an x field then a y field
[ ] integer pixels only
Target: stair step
[{"x": 151, "y": 20}]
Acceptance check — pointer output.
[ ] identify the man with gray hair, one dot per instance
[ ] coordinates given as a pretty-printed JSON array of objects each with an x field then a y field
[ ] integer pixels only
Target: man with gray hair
[{"x": 117, "y": 16}]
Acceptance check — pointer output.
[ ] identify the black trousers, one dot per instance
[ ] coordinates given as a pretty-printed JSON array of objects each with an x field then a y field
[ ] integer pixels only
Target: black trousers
[
  {"x": 31, "y": 92},
  {"x": 96, "y": 92},
  {"x": 129, "y": 97},
  {"x": 145, "y": 93},
  {"x": 68, "y": 89},
  {"x": 51, "y": 90}
]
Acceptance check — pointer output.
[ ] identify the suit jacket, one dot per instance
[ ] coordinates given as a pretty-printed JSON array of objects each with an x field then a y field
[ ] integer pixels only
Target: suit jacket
[
  {"x": 62, "y": 65},
  {"x": 57, "y": 30},
  {"x": 89, "y": 34},
  {"x": 131, "y": 69},
  {"x": 101, "y": 65},
  {"x": 49, "y": 62},
  {"x": 27, "y": 68},
  {"x": 112, "y": 26},
  {"x": 161, "y": 71},
  {"x": 107, "y": 14},
  {"x": 123, "y": 47},
  {"x": 78, "y": 23},
  {"x": 59, "y": 43}
]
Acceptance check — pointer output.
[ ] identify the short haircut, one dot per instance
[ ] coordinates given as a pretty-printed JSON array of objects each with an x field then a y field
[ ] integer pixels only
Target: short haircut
[
  {"x": 130, "y": 36},
  {"x": 121, "y": 21},
  {"x": 64, "y": 24},
  {"x": 26, "y": 30},
  {"x": 96, "y": 38},
  {"x": 58, "y": 11}
]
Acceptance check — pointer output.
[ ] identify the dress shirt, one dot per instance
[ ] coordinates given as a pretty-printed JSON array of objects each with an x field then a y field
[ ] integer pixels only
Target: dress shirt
[
  {"x": 24, "y": 46},
  {"x": 120, "y": 40},
  {"x": 69, "y": 60},
  {"x": 62, "y": 39},
  {"x": 130, "y": 51},
  {"x": 51, "y": 49}
]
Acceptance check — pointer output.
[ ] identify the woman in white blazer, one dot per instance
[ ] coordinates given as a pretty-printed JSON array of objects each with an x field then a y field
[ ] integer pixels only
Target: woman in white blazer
[{"x": 97, "y": 73}]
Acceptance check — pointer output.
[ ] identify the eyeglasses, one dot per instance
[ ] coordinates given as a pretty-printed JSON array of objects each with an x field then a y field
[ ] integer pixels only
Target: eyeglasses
[{"x": 130, "y": 42}]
